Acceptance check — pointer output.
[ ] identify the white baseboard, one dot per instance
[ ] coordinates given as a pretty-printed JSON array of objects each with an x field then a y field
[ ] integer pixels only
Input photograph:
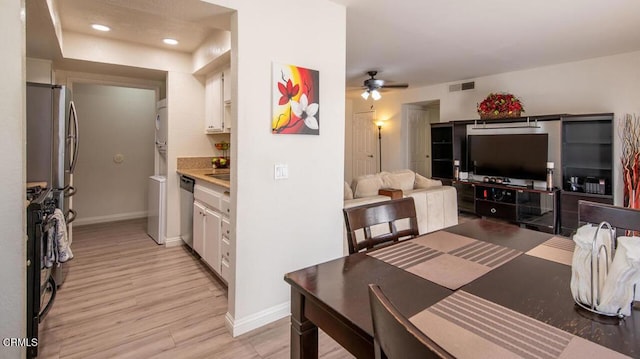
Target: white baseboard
[
  {"x": 256, "y": 320},
  {"x": 109, "y": 218},
  {"x": 173, "y": 242}
]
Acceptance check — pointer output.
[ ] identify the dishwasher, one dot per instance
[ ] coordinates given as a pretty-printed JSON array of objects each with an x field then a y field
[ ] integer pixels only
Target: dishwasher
[{"x": 186, "y": 209}]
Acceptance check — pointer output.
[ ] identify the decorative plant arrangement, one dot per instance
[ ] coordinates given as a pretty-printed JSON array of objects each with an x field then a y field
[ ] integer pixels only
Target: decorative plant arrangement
[
  {"x": 630, "y": 158},
  {"x": 500, "y": 105}
]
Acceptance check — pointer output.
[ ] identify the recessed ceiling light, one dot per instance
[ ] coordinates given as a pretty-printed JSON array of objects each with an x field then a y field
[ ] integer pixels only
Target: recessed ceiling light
[
  {"x": 170, "y": 41},
  {"x": 100, "y": 27}
]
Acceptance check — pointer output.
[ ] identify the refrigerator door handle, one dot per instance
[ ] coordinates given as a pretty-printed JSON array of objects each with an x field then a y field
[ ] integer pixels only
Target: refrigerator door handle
[
  {"x": 74, "y": 137},
  {"x": 69, "y": 191},
  {"x": 70, "y": 216}
]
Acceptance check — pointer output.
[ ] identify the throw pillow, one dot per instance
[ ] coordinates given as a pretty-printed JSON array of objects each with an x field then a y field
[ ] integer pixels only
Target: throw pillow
[
  {"x": 348, "y": 193},
  {"x": 366, "y": 186},
  {"x": 424, "y": 182},
  {"x": 403, "y": 180}
]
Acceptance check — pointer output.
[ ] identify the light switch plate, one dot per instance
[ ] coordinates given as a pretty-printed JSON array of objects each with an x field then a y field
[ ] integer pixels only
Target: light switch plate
[{"x": 281, "y": 171}]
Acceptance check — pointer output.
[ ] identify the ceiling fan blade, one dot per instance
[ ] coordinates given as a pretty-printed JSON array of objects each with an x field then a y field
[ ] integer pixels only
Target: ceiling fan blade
[{"x": 397, "y": 86}]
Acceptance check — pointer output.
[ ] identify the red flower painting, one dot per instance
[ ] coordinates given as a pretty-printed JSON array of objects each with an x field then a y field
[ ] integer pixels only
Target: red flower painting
[
  {"x": 296, "y": 105},
  {"x": 287, "y": 92}
]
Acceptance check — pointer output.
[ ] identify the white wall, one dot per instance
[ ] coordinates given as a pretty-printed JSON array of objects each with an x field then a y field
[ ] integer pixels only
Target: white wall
[
  {"x": 218, "y": 43},
  {"x": 98, "y": 49},
  {"x": 185, "y": 104},
  {"x": 348, "y": 134},
  {"x": 113, "y": 120},
  {"x": 39, "y": 71},
  {"x": 283, "y": 225},
  {"x": 12, "y": 181},
  {"x": 606, "y": 84}
]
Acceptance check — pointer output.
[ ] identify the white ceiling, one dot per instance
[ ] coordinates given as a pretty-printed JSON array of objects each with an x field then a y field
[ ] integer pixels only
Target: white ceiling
[
  {"x": 424, "y": 42},
  {"x": 146, "y": 22},
  {"x": 419, "y": 42}
]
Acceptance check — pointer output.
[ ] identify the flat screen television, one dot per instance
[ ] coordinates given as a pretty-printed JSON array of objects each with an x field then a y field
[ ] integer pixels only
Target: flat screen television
[{"x": 521, "y": 156}]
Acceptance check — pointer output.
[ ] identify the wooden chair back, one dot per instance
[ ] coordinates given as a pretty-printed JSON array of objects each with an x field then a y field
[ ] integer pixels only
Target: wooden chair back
[
  {"x": 366, "y": 216},
  {"x": 621, "y": 218},
  {"x": 394, "y": 335}
]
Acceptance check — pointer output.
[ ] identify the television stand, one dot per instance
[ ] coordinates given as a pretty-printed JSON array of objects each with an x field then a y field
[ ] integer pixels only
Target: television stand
[
  {"x": 529, "y": 207},
  {"x": 518, "y": 186}
]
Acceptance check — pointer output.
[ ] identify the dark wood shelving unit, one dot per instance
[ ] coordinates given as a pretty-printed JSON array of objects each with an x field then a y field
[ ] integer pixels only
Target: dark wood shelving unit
[
  {"x": 448, "y": 143},
  {"x": 466, "y": 196},
  {"x": 587, "y": 161},
  {"x": 442, "y": 150}
]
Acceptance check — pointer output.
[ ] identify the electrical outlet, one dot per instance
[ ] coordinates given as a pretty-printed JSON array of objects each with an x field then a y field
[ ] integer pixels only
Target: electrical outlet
[{"x": 281, "y": 171}]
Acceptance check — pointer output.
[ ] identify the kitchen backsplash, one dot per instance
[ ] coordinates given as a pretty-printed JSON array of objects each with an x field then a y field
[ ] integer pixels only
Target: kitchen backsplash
[{"x": 186, "y": 163}]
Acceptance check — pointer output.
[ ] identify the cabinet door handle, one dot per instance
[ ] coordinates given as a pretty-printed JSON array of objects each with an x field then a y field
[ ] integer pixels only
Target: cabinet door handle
[
  {"x": 493, "y": 210},
  {"x": 227, "y": 231}
]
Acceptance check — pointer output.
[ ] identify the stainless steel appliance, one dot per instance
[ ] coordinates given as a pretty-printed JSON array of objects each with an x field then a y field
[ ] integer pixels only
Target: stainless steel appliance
[
  {"x": 52, "y": 147},
  {"x": 186, "y": 209},
  {"x": 41, "y": 287}
]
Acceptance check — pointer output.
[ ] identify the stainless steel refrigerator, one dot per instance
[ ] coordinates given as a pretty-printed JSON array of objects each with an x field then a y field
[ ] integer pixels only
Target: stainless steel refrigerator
[{"x": 52, "y": 147}]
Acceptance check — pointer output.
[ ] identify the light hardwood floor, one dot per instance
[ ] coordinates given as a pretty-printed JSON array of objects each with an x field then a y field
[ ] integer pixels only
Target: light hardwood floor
[{"x": 127, "y": 297}]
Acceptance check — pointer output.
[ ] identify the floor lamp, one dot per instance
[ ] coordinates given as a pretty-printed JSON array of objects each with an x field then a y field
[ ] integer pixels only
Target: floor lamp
[{"x": 379, "y": 124}]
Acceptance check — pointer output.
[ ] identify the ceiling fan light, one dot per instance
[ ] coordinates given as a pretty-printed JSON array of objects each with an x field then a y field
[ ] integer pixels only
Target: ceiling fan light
[
  {"x": 376, "y": 95},
  {"x": 365, "y": 94},
  {"x": 100, "y": 27}
]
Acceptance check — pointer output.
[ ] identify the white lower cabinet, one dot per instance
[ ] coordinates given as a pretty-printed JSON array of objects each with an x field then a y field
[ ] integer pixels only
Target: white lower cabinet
[
  {"x": 212, "y": 229},
  {"x": 198, "y": 228},
  {"x": 225, "y": 249}
]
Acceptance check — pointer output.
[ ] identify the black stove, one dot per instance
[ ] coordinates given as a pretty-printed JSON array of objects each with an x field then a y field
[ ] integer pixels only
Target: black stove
[{"x": 41, "y": 287}]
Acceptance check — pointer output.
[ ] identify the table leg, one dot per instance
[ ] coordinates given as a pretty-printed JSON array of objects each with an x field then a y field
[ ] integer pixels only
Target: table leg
[{"x": 304, "y": 334}]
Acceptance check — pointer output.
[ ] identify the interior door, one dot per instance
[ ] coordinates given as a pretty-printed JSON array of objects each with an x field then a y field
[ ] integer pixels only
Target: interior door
[
  {"x": 365, "y": 154},
  {"x": 419, "y": 141}
]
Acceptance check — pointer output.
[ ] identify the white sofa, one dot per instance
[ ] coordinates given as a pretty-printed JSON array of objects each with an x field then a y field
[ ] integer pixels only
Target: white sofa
[{"x": 436, "y": 205}]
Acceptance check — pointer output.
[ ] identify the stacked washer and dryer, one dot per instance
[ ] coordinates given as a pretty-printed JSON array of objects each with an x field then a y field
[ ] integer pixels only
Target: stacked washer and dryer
[{"x": 157, "y": 205}]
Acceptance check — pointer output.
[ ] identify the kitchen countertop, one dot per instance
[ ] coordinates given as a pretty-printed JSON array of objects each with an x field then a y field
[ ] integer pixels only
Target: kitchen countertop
[{"x": 201, "y": 175}]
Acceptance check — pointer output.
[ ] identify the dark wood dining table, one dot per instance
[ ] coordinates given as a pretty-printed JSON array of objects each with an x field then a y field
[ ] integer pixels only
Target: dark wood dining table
[{"x": 334, "y": 296}]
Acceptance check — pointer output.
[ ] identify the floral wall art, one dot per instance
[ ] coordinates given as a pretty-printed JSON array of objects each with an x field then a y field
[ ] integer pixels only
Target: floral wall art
[{"x": 296, "y": 102}]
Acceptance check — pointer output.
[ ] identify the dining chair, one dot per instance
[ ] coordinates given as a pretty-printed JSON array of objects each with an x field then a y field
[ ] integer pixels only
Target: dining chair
[
  {"x": 621, "y": 218},
  {"x": 369, "y": 215},
  {"x": 394, "y": 336}
]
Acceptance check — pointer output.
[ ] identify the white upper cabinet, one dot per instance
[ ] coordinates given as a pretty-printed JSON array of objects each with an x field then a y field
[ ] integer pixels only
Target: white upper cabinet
[
  {"x": 213, "y": 108},
  {"x": 226, "y": 96},
  {"x": 226, "y": 93},
  {"x": 218, "y": 102}
]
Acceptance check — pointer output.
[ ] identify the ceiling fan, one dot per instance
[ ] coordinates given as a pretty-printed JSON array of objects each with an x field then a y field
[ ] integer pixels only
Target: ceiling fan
[{"x": 372, "y": 85}]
